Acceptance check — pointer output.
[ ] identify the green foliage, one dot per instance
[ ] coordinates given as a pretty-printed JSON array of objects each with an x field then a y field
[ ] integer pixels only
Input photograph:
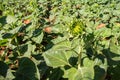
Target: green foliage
[
  {"x": 59, "y": 39},
  {"x": 27, "y": 70}
]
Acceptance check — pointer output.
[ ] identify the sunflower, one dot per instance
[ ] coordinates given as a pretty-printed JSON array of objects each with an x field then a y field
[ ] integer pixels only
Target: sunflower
[{"x": 76, "y": 27}]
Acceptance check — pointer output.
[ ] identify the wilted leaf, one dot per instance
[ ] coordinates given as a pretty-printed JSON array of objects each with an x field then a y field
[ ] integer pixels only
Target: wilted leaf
[
  {"x": 47, "y": 29},
  {"x": 27, "y": 21},
  {"x": 100, "y": 26}
]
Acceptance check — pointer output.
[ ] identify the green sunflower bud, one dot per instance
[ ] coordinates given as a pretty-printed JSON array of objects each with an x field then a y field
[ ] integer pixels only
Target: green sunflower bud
[{"x": 76, "y": 27}]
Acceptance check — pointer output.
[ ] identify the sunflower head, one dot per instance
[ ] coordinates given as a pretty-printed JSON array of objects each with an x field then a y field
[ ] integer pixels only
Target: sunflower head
[{"x": 76, "y": 27}]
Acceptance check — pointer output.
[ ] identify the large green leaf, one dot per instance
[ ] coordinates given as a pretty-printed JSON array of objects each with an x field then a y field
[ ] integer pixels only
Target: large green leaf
[
  {"x": 83, "y": 74},
  {"x": 62, "y": 45},
  {"x": 58, "y": 39},
  {"x": 56, "y": 58},
  {"x": 57, "y": 55},
  {"x": 27, "y": 70},
  {"x": 3, "y": 69},
  {"x": 56, "y": 74},
  {"x": 76, "y": 45}
]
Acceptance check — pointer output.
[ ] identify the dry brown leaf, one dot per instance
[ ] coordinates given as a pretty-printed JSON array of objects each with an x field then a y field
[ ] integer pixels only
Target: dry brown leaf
[
  {"x": 47, "y": 29},
  {"x": 101, "y": 26},
  {"x": 27, "y": 21}
]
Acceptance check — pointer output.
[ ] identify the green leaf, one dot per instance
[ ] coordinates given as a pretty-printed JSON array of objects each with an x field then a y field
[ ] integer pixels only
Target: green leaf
[
  {"x": 59, "y": 54},
  {"x": 83, "y": 74},
  {"x": 27, "y": 70},
  {"x": 30, "y": 50},
  {"x": 2, "y": 78},
  {"x": 9, "y": 75},
  {"x": 3, "y": 20},
  {"x": 78, "y": 74},
  {"x": 113, "y": 20},
  {"x": 76, "y": 44},
  {"x": 10, "y": 19},
  {"x": 56, "y": 74},
  {"x": 104, "y": 32},
  {"x": 58, "y": 28},
  {"x": 115, "y": 49},
  {"x": 3, "y": 42},
  {"x": 3, "y": 69},
  {"x": 37, "y": 36},
  {"x": 58, "y": 39},
  {"x": 100, "y": 67},
  {"x": 65, "y": 44},
  {"x": 70, "y": 73},
  {"x": 56, "y": 58},
  {"x": 106, "y": 17},
  {"x": 90, "y": 70},
  {"x": 116, "y": 12},
  {"x": 8, "y": 35}
]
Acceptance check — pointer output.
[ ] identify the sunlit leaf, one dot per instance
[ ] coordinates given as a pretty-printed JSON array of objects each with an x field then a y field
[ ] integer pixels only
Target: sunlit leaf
[{"x": 10, "y": 19}]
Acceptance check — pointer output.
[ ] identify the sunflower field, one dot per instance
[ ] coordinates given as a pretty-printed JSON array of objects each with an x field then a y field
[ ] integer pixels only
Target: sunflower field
[{"x": 59, "y": 39}]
